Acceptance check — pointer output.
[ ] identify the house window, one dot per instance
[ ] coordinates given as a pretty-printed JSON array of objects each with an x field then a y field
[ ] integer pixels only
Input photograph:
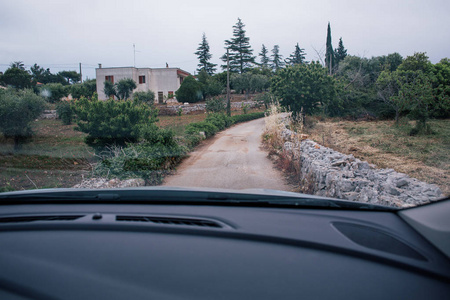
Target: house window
[
  {"x": 109, "y": 78},
  {"x": 141, "y": 79},
  {"x": 170, "y": 95},
  {"x": 181, "y": 80},
  {"x": 160, "y": 97}
]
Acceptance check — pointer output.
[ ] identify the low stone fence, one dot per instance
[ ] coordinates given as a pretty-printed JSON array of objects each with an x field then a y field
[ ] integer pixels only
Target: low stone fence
[
  {"x": 329, "y": 173},
  {"x": 188, "y": 108},
  {"x": 49, "y": 114}
]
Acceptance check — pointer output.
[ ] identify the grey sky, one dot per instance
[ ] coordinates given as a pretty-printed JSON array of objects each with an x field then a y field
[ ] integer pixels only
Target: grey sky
[{"x": 60, "y": 34}]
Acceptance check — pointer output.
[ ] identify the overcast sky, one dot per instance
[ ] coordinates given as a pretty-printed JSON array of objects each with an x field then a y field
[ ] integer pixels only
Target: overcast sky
[{"x": 60, "y": 34}]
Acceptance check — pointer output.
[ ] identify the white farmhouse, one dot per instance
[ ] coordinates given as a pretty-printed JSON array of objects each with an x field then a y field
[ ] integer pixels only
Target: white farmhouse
[{"x": 162, "y": 81}]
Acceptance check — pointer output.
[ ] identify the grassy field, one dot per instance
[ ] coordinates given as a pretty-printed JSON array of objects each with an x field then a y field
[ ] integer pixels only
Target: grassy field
[
  {"x": 57, "y": 156},
  {"x": 425, "y": 157}
]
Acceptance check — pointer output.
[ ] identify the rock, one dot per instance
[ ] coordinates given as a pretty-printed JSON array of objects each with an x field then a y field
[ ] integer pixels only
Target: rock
[
  {"x": 401, "y": 182},
  {"x": 103, "y": 183}
]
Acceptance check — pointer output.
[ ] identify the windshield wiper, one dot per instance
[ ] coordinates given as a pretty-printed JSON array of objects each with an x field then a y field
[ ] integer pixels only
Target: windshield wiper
[{"x": 160, "y": 195}]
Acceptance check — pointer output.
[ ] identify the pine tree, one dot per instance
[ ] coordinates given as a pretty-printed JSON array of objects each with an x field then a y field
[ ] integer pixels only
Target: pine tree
[
  {"x": 204, "y": 56},
  {"x": 297, "y": 57},
  {"x": 329, "y": 55},
  {"x": 277, "y": 60},
  {"x": 264, "y": 57},
  {"x": 240, "y": 53},
  {"x": 340, "y": 53}
]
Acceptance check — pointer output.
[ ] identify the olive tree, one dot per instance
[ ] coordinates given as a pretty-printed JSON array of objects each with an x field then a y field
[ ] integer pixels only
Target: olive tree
[{"x": 18, "y": 109}]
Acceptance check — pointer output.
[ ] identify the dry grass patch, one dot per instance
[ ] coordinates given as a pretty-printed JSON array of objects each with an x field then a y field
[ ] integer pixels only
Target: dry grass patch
[{"x": 425, "y": 157}]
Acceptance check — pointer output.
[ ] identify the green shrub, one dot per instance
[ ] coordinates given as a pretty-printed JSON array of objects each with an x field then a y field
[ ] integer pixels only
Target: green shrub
[
  {"x": 189, "y": 91},
  {"x": 221, "y": 121},
  {"x": 247, "y": 117},
  {"x": 112, "y": 122},
  {"x": 65, "y": 112},
  {"x": 144, "y": 97},
  {"x": 216, "y": 105},
  {"x": 195, "y": 128},
  {"x": 148, "y": 161}
]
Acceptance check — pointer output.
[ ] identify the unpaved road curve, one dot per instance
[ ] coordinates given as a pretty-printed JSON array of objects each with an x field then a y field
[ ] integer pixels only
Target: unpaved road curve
[{"x": 233, "y": 159}]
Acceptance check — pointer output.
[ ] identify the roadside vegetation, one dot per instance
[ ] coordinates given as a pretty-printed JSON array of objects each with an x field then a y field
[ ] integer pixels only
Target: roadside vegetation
[{"x": 389, "y": 110}]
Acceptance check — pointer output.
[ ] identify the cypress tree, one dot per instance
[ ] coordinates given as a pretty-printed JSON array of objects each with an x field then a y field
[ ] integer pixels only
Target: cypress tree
[
  {"x": 240, "y": 53},
  {"x": 329, "y": 55},
  {"x": 204, "y": 56}
]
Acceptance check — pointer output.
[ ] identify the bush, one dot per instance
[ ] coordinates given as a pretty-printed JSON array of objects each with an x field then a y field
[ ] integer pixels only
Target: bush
[
  {"x": 195, "y": 128},
  {"x": 112, "y": 122},
  {"x": 53, "y": 92},
  {"x": 248, "y": 117},
  {"x": 17, "y": 110},
  {"x": 216, "y": 105},
  {"x": 65, "y": 112},
  {"x": 190, "y": 90},
  {"x": 148, "y": 161},
  {"x": 214, "y": 123},
  {"x": 221, "y": 121},
  {"x": 147, "y": 97}
]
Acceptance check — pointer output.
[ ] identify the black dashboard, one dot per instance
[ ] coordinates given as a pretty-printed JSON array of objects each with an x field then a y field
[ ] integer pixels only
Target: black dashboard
[{"x": 158, "y": 251}]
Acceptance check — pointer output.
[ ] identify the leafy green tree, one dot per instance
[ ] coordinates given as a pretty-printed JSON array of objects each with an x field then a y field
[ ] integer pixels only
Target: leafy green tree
[
  {"x": 263, "y": 57},
  {"x": 147, "y": 97},
  {"x": 241, "y": 83},
  {"x": 71, "y": 77},
  {"x": 54, "y": 91},
  {"x": 210, "y": 86},
  {"x": 204, "y": 57},
  {"x": 393, "y": 61},
  {"x": 16, "y": 78},
  {"x": 189, "y": 91},
  {"x": 18, "y": 64},
  {"x": 18, "y": 109},
  {"x": 305, "y": 86},
  {"x": 240, "y": 54},
  {"x": 124, "y": 88},
  {"x": 441, "y": 72},
  {"x": 329, "y": 55},
  {"x": 417, "y": 94},
  {"x": 110, "y": 122},
  {"x": 297, "y": 57},
  {"x": 85, "y": 89},
  {"x": 259, "y": 83},
  {"x": 44, "y": 76},
  {"x": 277, "y": 59},
  {"x": 109, "y": 89},
  {"x": 340, "y": 53},
  {"x": 417, "y": 62}
]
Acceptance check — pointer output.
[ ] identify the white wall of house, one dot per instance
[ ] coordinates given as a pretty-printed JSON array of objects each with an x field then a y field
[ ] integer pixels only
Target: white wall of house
[{"x": 161, "y": 81}]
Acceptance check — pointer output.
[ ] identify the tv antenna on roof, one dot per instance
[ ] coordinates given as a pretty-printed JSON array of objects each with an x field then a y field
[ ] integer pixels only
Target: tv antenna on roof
[{"x": 134, "y": 55}]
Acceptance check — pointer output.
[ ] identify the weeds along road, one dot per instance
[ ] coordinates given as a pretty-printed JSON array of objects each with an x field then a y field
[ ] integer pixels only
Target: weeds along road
[{"x": 233, "y": 159}]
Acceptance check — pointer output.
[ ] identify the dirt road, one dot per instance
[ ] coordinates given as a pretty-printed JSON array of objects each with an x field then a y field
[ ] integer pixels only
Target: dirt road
[{"x": 233, "y": 159}]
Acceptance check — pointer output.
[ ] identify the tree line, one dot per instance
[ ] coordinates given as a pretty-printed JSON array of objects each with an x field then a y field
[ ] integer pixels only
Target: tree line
[{"x": 387, "y": 86}]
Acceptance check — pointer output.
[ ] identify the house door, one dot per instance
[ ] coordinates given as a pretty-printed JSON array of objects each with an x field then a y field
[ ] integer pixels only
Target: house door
[{"x": 160, "y": 97}]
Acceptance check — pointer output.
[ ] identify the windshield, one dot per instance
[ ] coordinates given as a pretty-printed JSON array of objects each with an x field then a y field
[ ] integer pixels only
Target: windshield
[{"x": 348, "y": 101}]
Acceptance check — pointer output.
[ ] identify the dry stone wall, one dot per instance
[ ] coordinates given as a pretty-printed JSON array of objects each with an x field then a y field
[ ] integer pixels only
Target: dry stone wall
[
  {"x": 330, "y": 173},
  {"x": 188, "y": 108}
]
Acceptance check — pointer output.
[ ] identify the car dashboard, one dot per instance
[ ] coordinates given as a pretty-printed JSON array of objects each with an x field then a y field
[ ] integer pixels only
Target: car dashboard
[{"x": 199, "y": 251}]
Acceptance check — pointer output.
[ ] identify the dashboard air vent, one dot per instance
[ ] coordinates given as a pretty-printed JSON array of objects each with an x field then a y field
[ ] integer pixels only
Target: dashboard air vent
[
  {"x": 39, "y": 218},
  {"x": 169, "y": 221}
]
